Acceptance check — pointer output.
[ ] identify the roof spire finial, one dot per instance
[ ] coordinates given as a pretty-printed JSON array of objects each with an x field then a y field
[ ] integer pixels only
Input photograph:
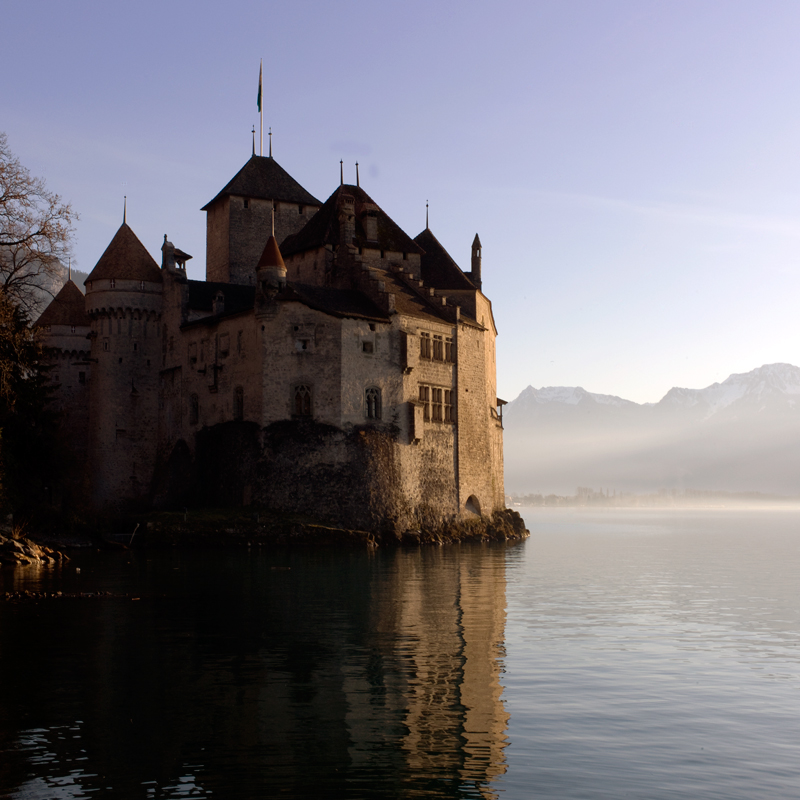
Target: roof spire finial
[
  {"x": 341, "y": 172},
  {"x": 270, "y": 142},
  {"x": 427, "y": 227},
  {"x": 254, "y": 139},
  {"x": 358, "y": 182},
  {"x": 124, "y": 209}
]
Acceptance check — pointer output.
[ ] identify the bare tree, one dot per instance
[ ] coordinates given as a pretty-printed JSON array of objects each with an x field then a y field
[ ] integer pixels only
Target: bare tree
[{"x": 35, "y": 235}]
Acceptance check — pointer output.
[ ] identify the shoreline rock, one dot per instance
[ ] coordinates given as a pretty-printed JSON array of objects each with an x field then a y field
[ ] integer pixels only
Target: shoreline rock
[{"x": 24, "y": 552}]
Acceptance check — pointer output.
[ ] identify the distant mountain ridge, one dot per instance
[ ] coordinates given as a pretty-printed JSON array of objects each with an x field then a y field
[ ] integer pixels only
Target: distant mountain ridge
[{"x": 742, "y": 434}]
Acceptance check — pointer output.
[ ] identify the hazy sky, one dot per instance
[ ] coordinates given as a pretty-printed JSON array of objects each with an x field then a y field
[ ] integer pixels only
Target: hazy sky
[{"x": 632, "y": 168}]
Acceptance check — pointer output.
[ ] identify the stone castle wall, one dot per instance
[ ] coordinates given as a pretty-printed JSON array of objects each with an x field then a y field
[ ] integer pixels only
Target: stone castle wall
[{"x": 127, "y": 339}]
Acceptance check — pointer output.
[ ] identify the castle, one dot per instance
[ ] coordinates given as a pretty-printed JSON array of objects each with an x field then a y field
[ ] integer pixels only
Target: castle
[{"x": 328, "y": 364}]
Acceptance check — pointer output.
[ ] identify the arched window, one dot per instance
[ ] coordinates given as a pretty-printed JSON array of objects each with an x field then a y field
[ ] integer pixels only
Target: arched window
[
  {"x": 372, "y": 403},
  {"x": 194, "y": 409},
  {"x": 302, "y": 400},
  {"x": 238, "y": 403}
]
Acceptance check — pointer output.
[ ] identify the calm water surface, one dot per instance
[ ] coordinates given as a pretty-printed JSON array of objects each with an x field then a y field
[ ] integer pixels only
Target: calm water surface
[{"x": 612, "y": 655}]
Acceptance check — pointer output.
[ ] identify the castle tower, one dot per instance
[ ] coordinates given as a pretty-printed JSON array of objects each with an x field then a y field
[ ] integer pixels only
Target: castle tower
[
  {"x": 124, "y": 303},
  {"x": 238, "y": 218}
]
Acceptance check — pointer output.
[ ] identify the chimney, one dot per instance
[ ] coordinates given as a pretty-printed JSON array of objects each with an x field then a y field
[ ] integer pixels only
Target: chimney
[{"x": 476, "y": 261}]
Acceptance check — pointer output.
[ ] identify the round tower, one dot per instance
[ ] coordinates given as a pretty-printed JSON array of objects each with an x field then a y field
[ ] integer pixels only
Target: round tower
[{"x": 124, "y": 303}]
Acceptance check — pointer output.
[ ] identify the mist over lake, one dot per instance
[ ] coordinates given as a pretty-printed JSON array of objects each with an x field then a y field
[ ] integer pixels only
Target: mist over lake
[{"x": 741, "y": 435}]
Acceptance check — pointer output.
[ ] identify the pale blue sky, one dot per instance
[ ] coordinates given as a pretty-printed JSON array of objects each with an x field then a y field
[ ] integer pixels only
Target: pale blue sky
[{"x": 632, "y": 167}]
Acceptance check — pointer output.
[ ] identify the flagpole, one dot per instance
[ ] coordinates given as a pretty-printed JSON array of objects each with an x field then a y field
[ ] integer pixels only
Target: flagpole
[{"x": 260, "y": 110}]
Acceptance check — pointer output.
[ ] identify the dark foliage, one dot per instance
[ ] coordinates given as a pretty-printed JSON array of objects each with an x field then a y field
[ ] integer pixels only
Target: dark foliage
[{"x": 27, "y": 424}]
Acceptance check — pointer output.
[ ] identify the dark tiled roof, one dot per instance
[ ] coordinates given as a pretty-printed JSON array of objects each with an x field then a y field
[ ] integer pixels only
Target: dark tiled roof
[
  {"x": 323, "y": 228},
  {"x": 264, "y": 178},
  {"x": 336, "y": 302},
  {"x": 438, "y": 269},
  {"x": 127, "y": 259},
  {"x": 237, "y": 298},
  {"x": 411, "y": 304},
  {"x": 68, "y": 307}
]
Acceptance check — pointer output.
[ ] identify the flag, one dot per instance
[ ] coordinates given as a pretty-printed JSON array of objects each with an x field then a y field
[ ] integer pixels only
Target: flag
[{"x": 259, "y": 87}]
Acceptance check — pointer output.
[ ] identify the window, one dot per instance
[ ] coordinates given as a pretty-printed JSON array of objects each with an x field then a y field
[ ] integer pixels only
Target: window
[
  {"x": 105, "y": 345},
  {"x": 141, "y": 285},
  {"x": 449, "y": 354},
  {"x": 246, "y": 203},
  {"x": 136, "y": 347},
  {"x": 302, "y": 345},
  {"x": 438, "y": 349},
  {"x": 448, "y": 406},
  {"x": 372, "y": 403},
  {"x": 367, "y": 347},
  {"x": 194, "y": 409},
  {"x": 224, "y": 344},
  {"x": 113, "y": 283},
  {"x": 81, "y": 377},
  {"x": 238, "y": 403},
  {"x": 437, "y": 404},
  {"x": 302, "y": 400},
  {"x": 424, "y": 345},
  {"x": 436, "y": 397},
  {"x": 193, "y": 353},
  {"x": 425, "y": 399},
  {"x": 71, "y": 328}
]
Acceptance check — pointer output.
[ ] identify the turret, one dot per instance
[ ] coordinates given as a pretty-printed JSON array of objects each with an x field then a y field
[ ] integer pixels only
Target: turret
[
  {"x": 124, "y": 302},
  {"x": 271, "y": 270},
  {"x": 476, "y": 261}
]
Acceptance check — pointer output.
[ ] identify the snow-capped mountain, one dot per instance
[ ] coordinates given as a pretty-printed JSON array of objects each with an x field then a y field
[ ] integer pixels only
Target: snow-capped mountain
[
  {"x": 762, "y": 385},
  {"x": 742, "y": 434}
]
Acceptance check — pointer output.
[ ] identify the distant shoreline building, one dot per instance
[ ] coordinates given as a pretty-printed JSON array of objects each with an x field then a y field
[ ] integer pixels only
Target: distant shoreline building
[{"x": 348, "y": 373}]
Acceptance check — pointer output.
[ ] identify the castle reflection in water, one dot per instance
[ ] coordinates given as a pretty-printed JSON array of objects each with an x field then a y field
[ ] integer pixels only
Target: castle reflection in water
[{"x": 341, "y": 674}]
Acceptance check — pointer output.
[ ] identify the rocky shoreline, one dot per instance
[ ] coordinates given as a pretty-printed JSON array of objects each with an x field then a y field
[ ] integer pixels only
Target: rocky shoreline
[{"x": 244, "y": 527}]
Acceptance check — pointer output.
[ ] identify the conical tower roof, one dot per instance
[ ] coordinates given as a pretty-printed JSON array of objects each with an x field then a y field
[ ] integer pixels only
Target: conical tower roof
[
  {"x": 263, "y": 177},
  {"x": 126, "y": 258},
  {"x": 68, "y": 307},
  {"x": 271, "y": 257}
]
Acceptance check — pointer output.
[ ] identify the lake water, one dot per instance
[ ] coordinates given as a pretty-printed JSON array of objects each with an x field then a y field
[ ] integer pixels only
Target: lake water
[{"x": 619, "y": 654}]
